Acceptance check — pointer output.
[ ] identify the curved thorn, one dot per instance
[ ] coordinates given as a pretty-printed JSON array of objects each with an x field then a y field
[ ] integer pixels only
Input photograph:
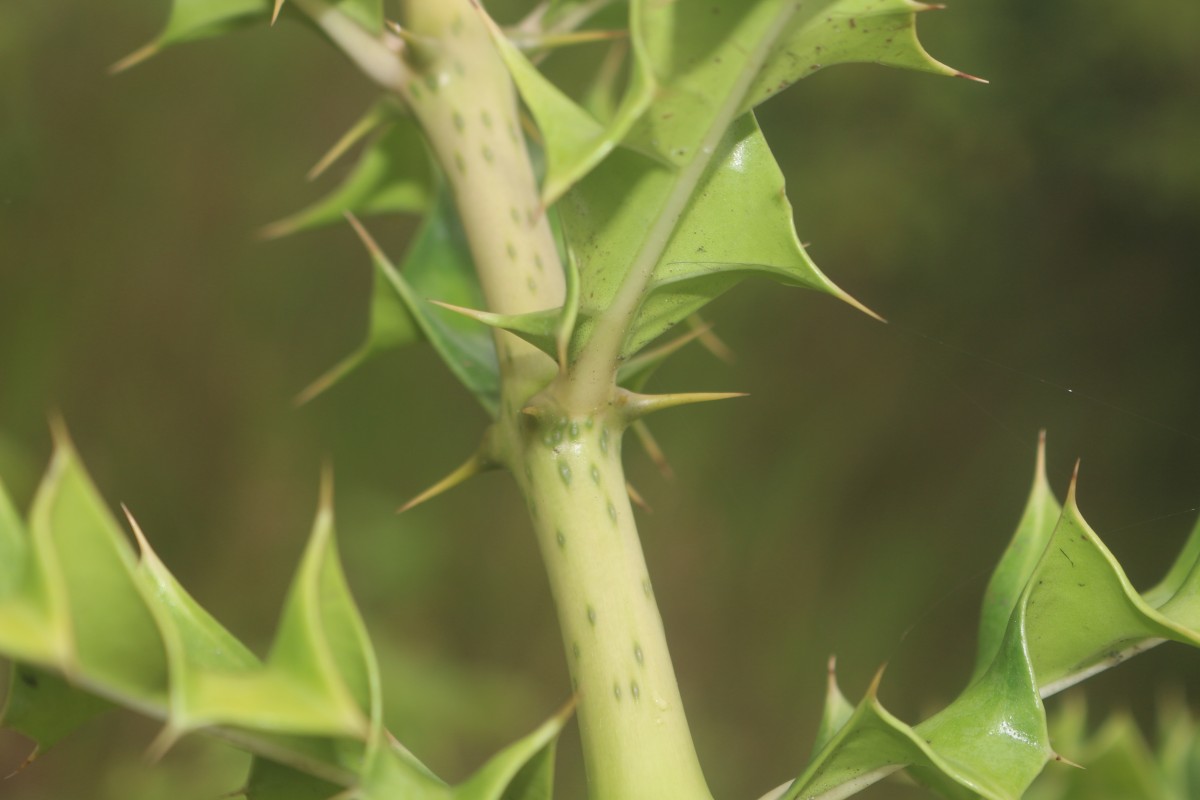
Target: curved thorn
[
  {"x": 712, "y": 343},
  {"x": 275, "y": 12}
]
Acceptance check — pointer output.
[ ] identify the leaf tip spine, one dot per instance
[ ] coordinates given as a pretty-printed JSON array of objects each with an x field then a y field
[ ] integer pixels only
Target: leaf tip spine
[{"x": 275, "y": 11}]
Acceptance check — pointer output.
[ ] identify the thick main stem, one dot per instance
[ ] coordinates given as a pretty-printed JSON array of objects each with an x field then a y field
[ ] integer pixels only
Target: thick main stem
[
  {"x": 636, "y": 741},
  {"x": 635, "y": 737}
]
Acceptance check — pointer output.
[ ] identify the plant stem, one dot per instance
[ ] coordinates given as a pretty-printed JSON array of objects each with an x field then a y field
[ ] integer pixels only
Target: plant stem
[{"x": 635, "y": 735}]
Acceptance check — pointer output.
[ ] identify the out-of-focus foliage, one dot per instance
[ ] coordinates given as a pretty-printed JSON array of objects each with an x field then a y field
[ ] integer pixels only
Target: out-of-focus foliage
[{"x": 1039, "y": 228}]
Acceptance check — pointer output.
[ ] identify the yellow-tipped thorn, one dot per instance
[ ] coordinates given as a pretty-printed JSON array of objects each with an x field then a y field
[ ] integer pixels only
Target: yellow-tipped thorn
[
  {"x": 639, "y": 405},
  {"x": 846, "y": 298},
  {"x": 472, "y": 467},
  {"x": 361, "y": 128},
  {"x": 637, "y": 498},
  {"x": 143, "y": 543},
  {"x": 1070, "y": 501},
  {"x": 970, "y": 77},
  {"x": 652, "y": 448},
  {"x": 475, "y": 314},
  {"x": 1064, "y": 760},
  {"x": 275, "y": 12},
  {"x": 133, "y": 59},
  {"x": 873, "y": 689}
]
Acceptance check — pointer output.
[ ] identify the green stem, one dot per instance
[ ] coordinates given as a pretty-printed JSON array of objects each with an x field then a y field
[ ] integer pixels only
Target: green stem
[{"x": 636, "y": 741}]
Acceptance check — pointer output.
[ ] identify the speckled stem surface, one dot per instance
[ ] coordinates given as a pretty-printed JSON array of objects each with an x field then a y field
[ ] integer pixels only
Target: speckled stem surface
[{"x": 567, "y": 463}]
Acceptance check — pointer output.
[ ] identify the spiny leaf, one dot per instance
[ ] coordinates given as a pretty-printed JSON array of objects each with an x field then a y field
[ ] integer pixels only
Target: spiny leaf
[
  {"x": 391, "y": 176},
  {"x": 1024, "y": 551},
  {"x": 712, "y": 56},
  {"x": 439, "y": 266},
  {"x": 574, "y": 141},
  {"x": 199, "y": 19},
  {"x": 837, "y": 711},
  {"x": 830, "y": 32},
  {"x": 737, "y": 223},
  {"x": 1183, "y": 566}
]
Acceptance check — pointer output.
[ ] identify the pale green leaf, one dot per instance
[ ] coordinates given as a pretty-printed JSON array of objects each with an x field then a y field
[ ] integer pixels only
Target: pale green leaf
[
  {"x": 828, "y": 32},
  {"x": 1021, "y": 557},
  {"x": 574, "y": 141},
  {"x": 738, "y": 223},
  {"x": 715, "y": 59}
]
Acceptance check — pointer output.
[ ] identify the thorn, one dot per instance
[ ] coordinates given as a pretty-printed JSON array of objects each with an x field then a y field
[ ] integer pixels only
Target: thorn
[
  {"x": 275, "y": 230},
  {"x": 1039, "y": 466},
  {"x": 275, "y": 13},
  {"x": 1070, "y": 501},
  {"x": 485, "y": 317},
  {"x": 325, "y": 381},
  {"x": 650, "y": 445},
  {"x": 133, "y": 59},
  {"x": 637, "y": 498},
  {"x": 712, "y": 343},
  {"x": 368, "y": 241},
  {"x": 143, "y": 543},
  {"x": 873, "y": 689},
  {"x": 29, "y": 759},
  {"x": 850, "y": 300},
  {"x": 639, "y": 405},
  {"x": 1068, "y": 761},
  {"x": 970, "y": 77},
  {"x": 163, "y": 742},
  {"x": 239, "y": 792},
  {"x": 351, "y": 137},
  {"x": 472, "y": 467},
  {"x": 537, "y": 412}
]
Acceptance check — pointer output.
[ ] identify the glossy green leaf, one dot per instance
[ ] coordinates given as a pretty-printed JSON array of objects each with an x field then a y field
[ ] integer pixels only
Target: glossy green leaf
[
  {"x": 738, "y": 223},
  {"x": 392, "y": 176},
  {"x": 574, "y": 141},
  {"x": 1021, "y": 557},
  {"x": 199, "y": 19},
  {"x": 439, "y": 267}
]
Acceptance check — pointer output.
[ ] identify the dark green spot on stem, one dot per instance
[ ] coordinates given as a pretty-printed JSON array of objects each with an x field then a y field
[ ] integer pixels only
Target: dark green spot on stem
[
  {"x": 537, "y": 262},
  {"x": 488, "y": 155},
  {"x": 638, "y": 656},
  {"x": 511, "y": 249},
  {"x": 561, "y": 538},
  {"x": 459, "y": 163},
  {"x": 635, "y": 690},
  {"x": 564, "y": 472},
  {"x": 604, "y": 440},
  {"x": 591, "y": 614},
  {"x": 612, "y": 511},
  {"x": 575, "y": 649},
  {"x": 516, "y": 216},
  {"x": 617, "y": 690},
  {"x": 459, "y": 122},
  {"x": 595, "y": 471},
  {"x": 486, "y": 118}
]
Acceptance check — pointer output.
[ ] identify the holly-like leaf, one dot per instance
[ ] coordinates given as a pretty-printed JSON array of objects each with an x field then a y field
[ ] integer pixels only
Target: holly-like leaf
[
  {"x": 1011, "y": 575},
  {"x": 737, "y": 223}
]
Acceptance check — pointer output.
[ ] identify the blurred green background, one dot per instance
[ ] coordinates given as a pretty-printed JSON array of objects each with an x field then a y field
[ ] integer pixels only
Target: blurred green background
[{"x": 1033, "y": 242}]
